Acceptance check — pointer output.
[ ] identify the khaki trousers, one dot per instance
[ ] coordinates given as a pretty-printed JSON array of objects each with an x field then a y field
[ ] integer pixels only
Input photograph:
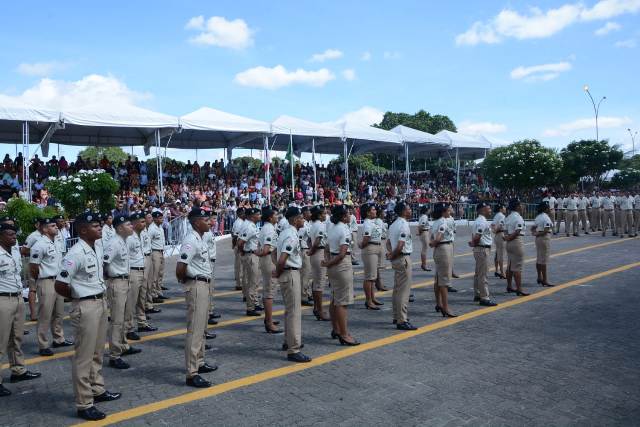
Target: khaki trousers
[
  {"x": 383, "y": 257},
  {"x": 211, "y": 289},
  {"x": 571, "y": 223},
  {"x": 11, "y": 330},
  {"x": 291, "y": 290},
  {"x": 500, "y": 246},
  {"x": 251, "y": 279},
  {"x": 238, "y": 270},
  {"x": 582, "y": 219},
  {"x": 268, "y": 282},
  {"x": 561, "y": 217},
  {"x": 595, "y": 219},
  {"x": 89, "y": 318},
  {"x": 619, "y": 225},
  {"x": 157, "y": 260},
  {"x": 50, "y": 313},
  {"x": 305, "y": 274},
  {"x": 636, "y": 221},
  {"x": 401, "y": 287},
  {"x": 148, "y": 282},
  {"x": 319, "y": 273},
  {"x": 134, "y": 307},
  {"x": 197, "y": 298},
  {"x": 480, "y": 282},
  {"x": 552, "y": 216},
  {"x": 608, "y": 216},
  {"x": 627, "y": 222},
  {"x": 352, "y": 245},
  {"x": 424, "y": 241},
  {"x": 118, "y": 290}
]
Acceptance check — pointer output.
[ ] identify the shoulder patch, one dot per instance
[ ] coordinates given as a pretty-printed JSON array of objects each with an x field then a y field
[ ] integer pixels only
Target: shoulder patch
[
  {"x": 184, "y": 256},
  {"x": 34, "y": 255},
  {"x": 106, "y": 257},
  {"x": 403, "y": 235},
  {"x": 347, "y": 240},
  {"x": 268, "y": 239},
  {"x": 64, "y": 273},
  {"x": 288, "y": 248},
  {"x": 366, "y": 233}
]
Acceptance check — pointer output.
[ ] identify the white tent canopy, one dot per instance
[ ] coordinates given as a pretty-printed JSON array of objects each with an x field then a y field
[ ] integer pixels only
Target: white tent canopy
[
  {"x": 467, "y": 147},
  {"x": 304, "y": 134},
  {"x": 421, "y": 142},
  {"x": 365, "y": 139},
  {"x": 12, "y": 119}
]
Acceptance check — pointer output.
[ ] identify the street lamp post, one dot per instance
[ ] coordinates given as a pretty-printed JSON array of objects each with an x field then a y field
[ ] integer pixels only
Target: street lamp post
[
  {"x": 633, "y": 141},
  {"x": 596, "y": 108}
]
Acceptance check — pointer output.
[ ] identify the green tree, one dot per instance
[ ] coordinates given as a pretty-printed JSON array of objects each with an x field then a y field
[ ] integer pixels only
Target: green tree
[
  {"x": 589, "y": 159},
  {"x": 115, "y": 155},
  {"x": 523, "y": 165},
  {"x": 247, "y": 162},
  {"x": 421, "y": 121},
  {"x": 364, "y": 162},
  {"x": 626, "y": 178},
  {"x": 631, "y": 162}
]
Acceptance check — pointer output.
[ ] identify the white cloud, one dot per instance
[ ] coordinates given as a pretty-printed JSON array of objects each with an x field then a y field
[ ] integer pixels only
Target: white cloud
[
  {"x": 40, "y": 69},
  {"x": 607, "y": 28},
  {"x": 60, "y": 94},
  {"x": 604, "y": 122},
  {"x": 278, "y": 76},
  {"x": 629, "y": 43},
  {"x": 365, "y": 116},
  {"x": 366, "y": 56},
  {"x": 479, "y": 128},
  {"x": 326, "y": 55},
  {"x": 543, "y": 72},
  {"x": 349, "y": 74},
  {"x": 217, "y": 31},
  {"x": 541, "y": 24},
  {"x": 391, "y": 55}
]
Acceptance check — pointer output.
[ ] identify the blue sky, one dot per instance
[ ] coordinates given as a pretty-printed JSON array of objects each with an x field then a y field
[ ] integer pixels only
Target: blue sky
[{"x": 507, "y": 69}]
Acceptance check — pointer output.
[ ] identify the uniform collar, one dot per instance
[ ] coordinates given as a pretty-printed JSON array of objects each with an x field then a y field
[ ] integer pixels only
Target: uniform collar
[
  {"x": 85, "y": 246},
  {"x": 3, "y": 251},
  {"x": 481, "y": 218}
]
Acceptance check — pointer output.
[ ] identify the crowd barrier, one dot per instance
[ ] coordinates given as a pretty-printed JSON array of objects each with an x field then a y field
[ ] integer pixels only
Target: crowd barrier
[{"x": 467, "y": 211}]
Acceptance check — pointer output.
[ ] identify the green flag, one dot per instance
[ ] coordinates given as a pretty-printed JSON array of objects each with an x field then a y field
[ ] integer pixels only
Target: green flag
[{"x": 289, "y": 155}]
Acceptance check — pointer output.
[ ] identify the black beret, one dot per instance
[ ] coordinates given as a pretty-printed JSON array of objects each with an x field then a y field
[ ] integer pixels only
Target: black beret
[
  {"x": 399, "y": 208},
  {"x": 513, "y": 204},
  {"x": 119, "y": 220},
  {"x": 45, "y": 221},
  {"x": 266, "y": 214},
  {"x": 88, "y": 217},
  {"x": 198, "y": 213},
  {"x": 5, "y": 218},
  {"x": 136, "y": 216},
  {"x": 291, "y": 212},
  {"x": 58, "y": 218},
  {"x": 316, "y": 209},
  {"x": 251, "y": 211},
  {"x": 4, "y": 227},
  {"x": 338, "y": 211},
  {"x": 481, "y": 205},
  {"x": 304, "y": 209},
  {"x": 240, "y": 211},
  {"x": 157, "y": 214}
]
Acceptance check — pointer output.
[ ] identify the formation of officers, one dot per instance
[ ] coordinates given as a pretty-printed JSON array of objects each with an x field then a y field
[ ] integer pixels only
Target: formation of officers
[{"x": 113, "y": 275}]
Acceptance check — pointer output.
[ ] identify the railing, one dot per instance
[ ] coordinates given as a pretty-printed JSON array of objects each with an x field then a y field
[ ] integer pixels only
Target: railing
[{"x": 467, "y": 211}]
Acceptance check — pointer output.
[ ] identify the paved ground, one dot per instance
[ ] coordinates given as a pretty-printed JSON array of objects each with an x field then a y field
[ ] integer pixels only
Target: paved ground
[{"x": 568, "y": 355}]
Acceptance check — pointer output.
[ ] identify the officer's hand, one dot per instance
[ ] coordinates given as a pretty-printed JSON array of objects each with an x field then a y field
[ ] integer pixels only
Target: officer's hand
[
  {"x": 323, "y": 263},
  {"x": 470, "y": 243}
]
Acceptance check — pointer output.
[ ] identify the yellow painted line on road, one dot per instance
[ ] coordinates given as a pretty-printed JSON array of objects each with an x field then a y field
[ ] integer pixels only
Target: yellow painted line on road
[
  {"x": 341, "y": 354},
  {"x": 238, "y": 320}
]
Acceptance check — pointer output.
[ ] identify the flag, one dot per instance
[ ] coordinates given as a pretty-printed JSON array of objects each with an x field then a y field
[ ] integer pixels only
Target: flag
[{"x": 289, "y": 155}]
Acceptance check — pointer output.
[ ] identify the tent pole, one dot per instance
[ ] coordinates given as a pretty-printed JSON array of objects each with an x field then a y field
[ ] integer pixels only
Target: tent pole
[
  {"x": 267, "y": 166},
  {"x": 346, "y": 164},
  {"x": 26, "y": 182},
  {"x": 407, "y": 167},
  {"x": 291, "y": 160},
  {"x": 315, "y": 179},
  {"x": 159, "y": 166},
  {"x": 457, "y": 170}
]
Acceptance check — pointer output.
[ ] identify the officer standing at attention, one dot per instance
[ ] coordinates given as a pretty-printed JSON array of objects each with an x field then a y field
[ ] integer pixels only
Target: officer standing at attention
[
  {"x": 210, "y": 239},
  {"x": 423, "y": 235},
  {"x": 608, "y": 217},
  {"x": 247, "y": 247},
  {"x": 353, "y": 227},
  {"x": 441, "y": 240},
  {"x": 135, "y": 317},
  {"x": 571, "y": 214},
  {"x": 594, "y": 219},
  {"x": 116, "y": 260},
  {"x": 618, "y": 214},
  {"x": 481, "y": 241},
  {"x": 108, "y": 231},
  {"x": 542, "y": 229},
  {"x": 318, "y": 237},
  {"x": 193, "y": 270},
  {"x": 156, "y": 234},
  {"x": 383, "y": 247},
  {"x": 267, "y": 239},
  {"x": 236, "y": 229},
  {"x": 552, "y": 207},
  {"x": 81, "y": 278},
  {"x": 61, "y": 242},
  {"x": 399, "y": 248},
  {"x": 305, "y": 271},
  {"x": 31, "y": 240},
  {"x": 626, "y": 214},
  {"x": 561, "y": 215},
  {"x": 287, "y": 272},
  {"x": 497, "y": 226},
  {"x": 44, "y": 264},
  {"x": 370, "y": 246},
  {"x": 584, "y": 210},
  {"x": 11, "y": 308},
  {"x": 636, "y": 214},
  {"x": 148, "y": 266}
]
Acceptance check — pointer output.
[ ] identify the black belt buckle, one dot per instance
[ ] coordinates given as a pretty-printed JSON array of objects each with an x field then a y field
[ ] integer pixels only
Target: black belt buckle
[
  {"x": 121, "y": 276},
  {"x": 96, "y": 296},
  {"x": 10, "y": 294},
  {"x": 200, "y": 279},
  {"x": 291, "y": 269},
  {"x": 137, "y": 268}
]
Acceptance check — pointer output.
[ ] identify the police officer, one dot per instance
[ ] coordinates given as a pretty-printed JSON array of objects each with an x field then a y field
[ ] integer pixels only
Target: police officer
[
  {"x": 441, "y": 242},
  {"x": 571, "y": 214},
  {"x": 497, "y": 226},
  {"x": 31, "y": 240},
  {"x": 584, "y": 210},
  {"x": 370, "y": 246},
  {"x": 353, "y": 227},
  {"x": 383, "y": 247},
  {"x": 108, "y": 231},
  {"x": 596, "y": 205},
  {"x": 626, "y": 214},
  {"x": 60, "y": 240},
  {"x": 193, "y": 270},
  {"x": 318, "y": 238},
  {"x": 542, "y": 229},
  {"x": 156, "y": 235},
  {"x": 423, "y": 235},
  {"x": 305, "y": 272},
  {"x": 236, "y": 229},
  {"x": 267, "y": 239},
  {"x": 636, "y": 213},
  {"x": 135, "y": 317},
  {"x": 608, "y": 216},
  {"x": 481, "y": 241},
  {"x": 210, "y": 239},
  {"x": 399, "y": 248},
  {"x": 11, "y": 308},
  {"x": 552, "y": 201},
  {"x": 44, "y": 263},
  {"x": 116, "y": 260},
  {"x": 81, "y": 278},
  {"x": 561, "y": 215},
  {"x": 514, "y": 227},
  {"x": 247, "y": 246},
  {"x": 148, "y": 266},
  {"x": 287, "y": 272}
]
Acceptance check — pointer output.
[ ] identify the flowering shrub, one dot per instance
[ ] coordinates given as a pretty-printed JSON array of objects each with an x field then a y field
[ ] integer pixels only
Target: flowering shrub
[
  {"x": 523, "y": 165},
  {"x": 94, "y": 189},
  {"x": 26, "y": 214}
]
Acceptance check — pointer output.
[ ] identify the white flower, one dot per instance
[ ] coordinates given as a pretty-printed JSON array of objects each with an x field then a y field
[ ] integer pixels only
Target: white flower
[
  {"x": 82, "y": 171},
  {"x": 76, "y": 194},
  {"x": 77, "y": 180},
  {"x": 80, "y": 187}
]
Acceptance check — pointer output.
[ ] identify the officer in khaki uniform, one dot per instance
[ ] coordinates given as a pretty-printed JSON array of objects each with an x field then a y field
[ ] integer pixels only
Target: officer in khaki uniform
[
  {"x": 267, "y": 239},
  {"x": 560, "y": 215},
  {"x": 596, "y": 204},
  {"x": 81, "y": 278},
  {"x": 305, "y": 272},
  {"x": 44, "y": 262},
  {"x": 288, "y": 265},
  {"x": 636, "y": 214},
  {"x": 247, "y": 246},
  {"x": 236, "y": 229},
  {"x": 584, "y": 212},
  {"x": 156, "y": 235},
  {"x": 626, "y": 214},
  {"x": 481, "y": 241},
  {"x": 608, "y": 215},
  {"x": 148, "y": 266},
  {"x": 135, "y": 317},
  {"x": 193, "y": 270},
  {"x": 399, "y": 248},
  {"x": 31, "y": 240},
  {"x": 11, "y": 308},
  {"x": 571, "y": 214},
  {"x": 210, "y": 239},
  {"x": 116, "y": 260}
]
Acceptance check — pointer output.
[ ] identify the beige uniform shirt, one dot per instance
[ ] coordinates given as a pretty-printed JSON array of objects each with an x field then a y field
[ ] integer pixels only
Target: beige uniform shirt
[
  {"x": 249, "y": 235},
  {"x": 318, "y": 229},
  {"x": 443, "y": 226},
  {"x": 608, "y": 203},
  {"x": 146, "y": 242},
  {"x": 156, "y": 234},
  {"x": 583, "y": 203},
  {"x": 338, "y": 236},
  {"x": 498, "y": 222},
  {"x": 33, "y": 238},
  {"x": 303, "y": 234},
  {"x": 195, "y": 253},
  {"x": 210, "y": 240},
  {"x": 423, "y": 224},
  {"x": 595, "y": 202},
  {"x": 61, "y": 243},
  {"x": 289, "y": 243},
  {"x": 483, "y": 228},
  {"x": 626, "y": 203},
  {"x": 268, "y": 236},
  {"x": 10, "y": 270},
  {"x": 543, "y": 222},
  {"x": 116, "y": 257},
  {"x": 46, "y": 256},
  {"x": 400, "y": 232},
  {"x": 372, "y": 230},
  {"x": 108, "y": 232},
  {"x": 82, "y": 270},
  {"x": 571, "y": 203},
  {"x": 514, "y": 222},
  {"x": 136, "y": 257}
]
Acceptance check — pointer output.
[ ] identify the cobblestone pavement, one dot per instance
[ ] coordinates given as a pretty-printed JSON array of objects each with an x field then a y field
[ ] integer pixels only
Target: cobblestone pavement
[{"x": 568, "y": 356}]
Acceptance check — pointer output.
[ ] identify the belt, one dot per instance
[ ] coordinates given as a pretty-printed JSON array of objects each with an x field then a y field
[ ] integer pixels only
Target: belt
[
  {"x": 10, "y": 294},
  {"x": 608, "y": 210},
  {"x": 147, "y": 254},
  {"x": 246, "y": 252},
  {"x": 120, "y": 276},
  {"x": 320, "y": 247},
  {"x": 137, "y": 268},
  {"x": 291, "y": 268},
  {"x": 484, "y": 246},
  {"x": 213, "y": 260},
  {"x": 200, "y": 279},
  {"x": 157, "y": 250},
  {"x": 97, "y": 296},
  {"x": 374, "y": 243},
  {"x": 334, "y": 254},
  {"x": 444, "y": 243},
  {"x": 47, "y": 278}
]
